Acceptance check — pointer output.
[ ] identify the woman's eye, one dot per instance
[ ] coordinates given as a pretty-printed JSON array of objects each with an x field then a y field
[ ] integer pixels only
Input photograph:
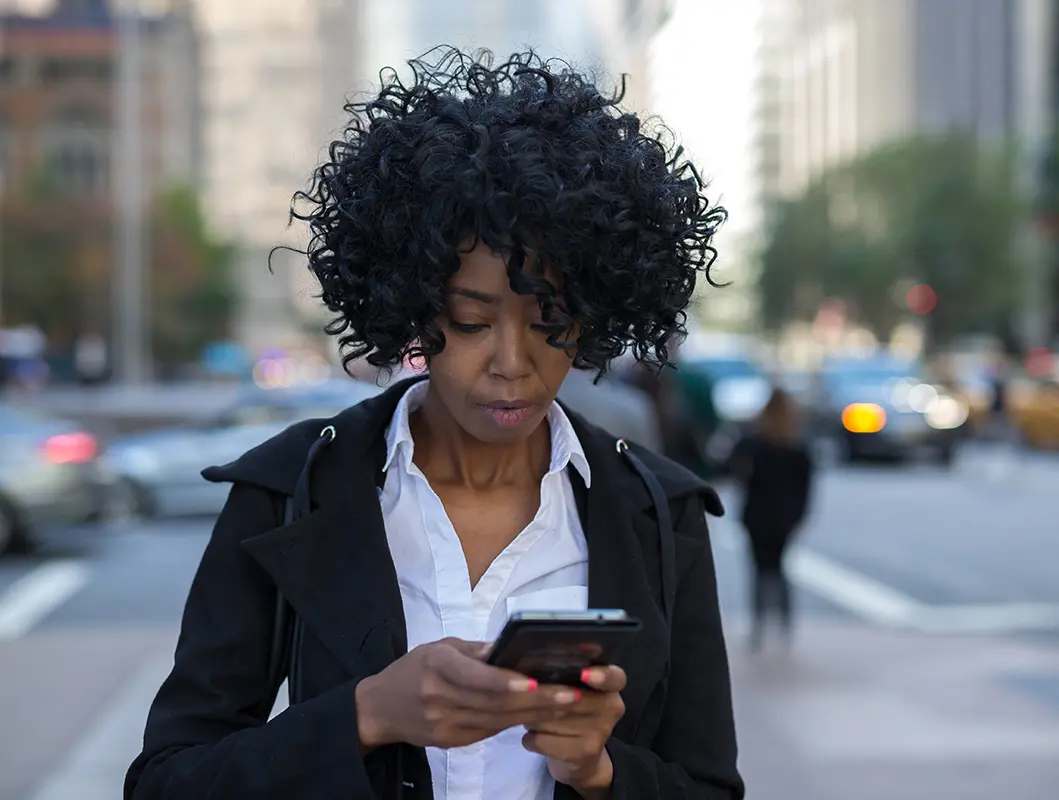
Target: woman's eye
[{"x": 467, "y": 328}]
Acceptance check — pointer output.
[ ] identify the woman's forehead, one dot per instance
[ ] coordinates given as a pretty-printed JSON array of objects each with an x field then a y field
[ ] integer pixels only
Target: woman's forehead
[{"x": 483, "y": 271}]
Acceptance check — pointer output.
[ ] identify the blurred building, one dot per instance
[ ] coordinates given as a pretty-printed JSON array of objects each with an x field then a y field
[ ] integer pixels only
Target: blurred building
[
  {"x": 263, "y": 80},
  {"x": 57, "y": 89},
  {"x": 1044, "y": 19},
  {"x": 839, "y": 77},
  {"x": 612, "y": 34}
]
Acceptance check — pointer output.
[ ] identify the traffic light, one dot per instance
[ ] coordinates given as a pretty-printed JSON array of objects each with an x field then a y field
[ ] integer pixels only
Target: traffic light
[{"x": 921, "y": 299}]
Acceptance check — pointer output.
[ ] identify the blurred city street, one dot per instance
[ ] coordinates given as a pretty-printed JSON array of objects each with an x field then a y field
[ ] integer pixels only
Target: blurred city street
[
  {"x": 888, "y": 273},
  {"x": 926, "y": 664}
]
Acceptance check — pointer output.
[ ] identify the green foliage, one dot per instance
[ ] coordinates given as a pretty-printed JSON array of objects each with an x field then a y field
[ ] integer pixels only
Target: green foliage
[
  {"x": 191, "y": 280},
  {"x": 57, "y": 253},
  {"x": 931, "y": 210}
]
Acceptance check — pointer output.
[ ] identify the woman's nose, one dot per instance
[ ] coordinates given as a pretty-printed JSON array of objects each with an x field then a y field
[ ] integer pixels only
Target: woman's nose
[{"x": 511, "y": 358}]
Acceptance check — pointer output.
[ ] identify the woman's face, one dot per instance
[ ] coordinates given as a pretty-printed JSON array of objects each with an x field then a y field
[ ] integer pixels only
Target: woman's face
[{"x": 497, "y": 375}]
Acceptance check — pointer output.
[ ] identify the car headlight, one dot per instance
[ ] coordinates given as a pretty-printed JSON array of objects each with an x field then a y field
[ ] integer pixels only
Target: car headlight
[{"x": 946, "y": 413}]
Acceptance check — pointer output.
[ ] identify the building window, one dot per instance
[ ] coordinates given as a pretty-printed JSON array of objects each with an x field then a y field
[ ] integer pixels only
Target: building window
[
  {"x": 6, "y": 148},
  {"x": 77, "y": 149},
  {"x": 55, "y": 70},
  {"x": 81, "y": 170},
  {"x": 8, "y": 69}
]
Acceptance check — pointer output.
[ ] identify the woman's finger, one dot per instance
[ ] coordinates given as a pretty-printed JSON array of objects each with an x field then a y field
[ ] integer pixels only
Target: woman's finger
[
  {"x": 604, "y": 679},
  {"x": 538, "y": 698},
  {"x": 562, "y": 748},
  {"x": 462, "y": 669}
]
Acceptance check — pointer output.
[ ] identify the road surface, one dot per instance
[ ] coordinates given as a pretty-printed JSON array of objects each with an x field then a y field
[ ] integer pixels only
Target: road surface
[{"x": 926, "y": 666}]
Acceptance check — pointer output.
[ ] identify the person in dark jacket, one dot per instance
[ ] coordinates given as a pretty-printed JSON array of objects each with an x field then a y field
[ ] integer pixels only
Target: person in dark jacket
[
  {"x": 775, "y": 470},
  {"x": 506, "y": 223}
]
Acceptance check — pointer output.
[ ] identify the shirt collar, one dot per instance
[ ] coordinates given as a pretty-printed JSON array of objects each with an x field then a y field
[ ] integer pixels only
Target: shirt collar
[{"x": 566, "y": 447}]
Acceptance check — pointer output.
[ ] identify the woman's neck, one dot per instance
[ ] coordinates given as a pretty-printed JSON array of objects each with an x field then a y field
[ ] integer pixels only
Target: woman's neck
[{"x": 447, "y": 455}]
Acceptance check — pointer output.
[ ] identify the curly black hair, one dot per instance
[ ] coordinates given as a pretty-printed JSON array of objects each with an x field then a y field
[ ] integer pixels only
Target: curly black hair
[{"x": 525, "y": 155}]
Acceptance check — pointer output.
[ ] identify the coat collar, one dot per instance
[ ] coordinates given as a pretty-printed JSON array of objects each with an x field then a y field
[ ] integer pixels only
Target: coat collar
[{"x": 334, "y": 565}]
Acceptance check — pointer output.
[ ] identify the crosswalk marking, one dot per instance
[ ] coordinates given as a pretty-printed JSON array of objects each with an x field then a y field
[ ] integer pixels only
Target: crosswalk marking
[{"x": 37, "y": 594}]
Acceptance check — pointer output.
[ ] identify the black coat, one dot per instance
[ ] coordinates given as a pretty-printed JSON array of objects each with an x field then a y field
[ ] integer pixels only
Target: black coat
[
  {"x": 207, "y": 737},
  {"x": 777, "y": 484}
]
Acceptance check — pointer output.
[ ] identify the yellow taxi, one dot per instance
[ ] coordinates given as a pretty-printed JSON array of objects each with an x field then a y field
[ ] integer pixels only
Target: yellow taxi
[{"x": 1035, "y": 414}]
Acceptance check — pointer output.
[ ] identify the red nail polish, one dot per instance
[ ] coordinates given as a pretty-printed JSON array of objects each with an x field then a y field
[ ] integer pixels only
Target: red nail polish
[
  {"x": 586, "y": 675},
  {"x": 577, "y": 695},
  {"x": 532, "y": 685}
]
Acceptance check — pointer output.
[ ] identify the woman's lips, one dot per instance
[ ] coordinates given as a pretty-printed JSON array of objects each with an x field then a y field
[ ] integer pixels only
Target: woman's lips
[{"x": 510, "y": 415}]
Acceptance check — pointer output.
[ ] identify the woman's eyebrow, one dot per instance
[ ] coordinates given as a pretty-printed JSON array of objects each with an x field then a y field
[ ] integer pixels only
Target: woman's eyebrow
[{"x": 472, "y": 294}]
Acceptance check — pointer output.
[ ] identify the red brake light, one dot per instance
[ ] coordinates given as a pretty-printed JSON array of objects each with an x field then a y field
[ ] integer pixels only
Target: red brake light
[{"x": 71, "y": 448}]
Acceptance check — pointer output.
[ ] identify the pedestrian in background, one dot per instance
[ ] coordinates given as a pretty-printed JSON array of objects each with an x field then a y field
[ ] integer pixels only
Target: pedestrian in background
[{"x": 774, "y": 469}]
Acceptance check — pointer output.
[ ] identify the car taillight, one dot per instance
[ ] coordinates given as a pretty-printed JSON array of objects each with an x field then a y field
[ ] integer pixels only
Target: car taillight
[
  {"x": 71, "y": 448},
  {"x": 863, "y": 418}
]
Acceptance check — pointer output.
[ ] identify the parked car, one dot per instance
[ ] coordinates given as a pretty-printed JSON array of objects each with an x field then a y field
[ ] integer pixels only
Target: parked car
[
  {"x": 49, "y": 475},
  {"x": 880, "y": 407},
  {"x": 157, "y": 473}
]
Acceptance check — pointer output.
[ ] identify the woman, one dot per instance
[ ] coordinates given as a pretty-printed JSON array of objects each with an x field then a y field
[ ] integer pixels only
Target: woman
[
  {"x": 775, "y": 469},
  {"x": 504, "y": 222}
]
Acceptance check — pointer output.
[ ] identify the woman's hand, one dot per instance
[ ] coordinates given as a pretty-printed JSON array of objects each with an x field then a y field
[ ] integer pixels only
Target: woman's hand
[
  {"x": 442, "y": 695},
  {"x": 574, "y": 742}
]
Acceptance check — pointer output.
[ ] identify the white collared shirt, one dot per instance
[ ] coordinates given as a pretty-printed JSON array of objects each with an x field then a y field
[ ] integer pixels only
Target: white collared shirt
[{"x": 544, "y": 568}]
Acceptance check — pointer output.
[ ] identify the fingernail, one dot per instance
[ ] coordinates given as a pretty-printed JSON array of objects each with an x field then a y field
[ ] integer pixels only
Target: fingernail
[
  {"x": 523, "y": 685},
  {"x": 567, "y": 696},
  {"x": 587, "y": 675}
]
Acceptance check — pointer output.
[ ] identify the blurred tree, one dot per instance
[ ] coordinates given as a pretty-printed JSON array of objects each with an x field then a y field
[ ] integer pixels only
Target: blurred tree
[
  {"x": 57, "y": 262},
  {"x": 192, "y": 291},
  {"x": 1048, "y": 219},
  {"x": 939, "y": 211},
  {"x": 47, "y": 245}
]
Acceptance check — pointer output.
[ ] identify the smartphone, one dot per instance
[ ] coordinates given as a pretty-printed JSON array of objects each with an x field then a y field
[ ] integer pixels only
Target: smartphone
[{"x": 555, "y": 646}]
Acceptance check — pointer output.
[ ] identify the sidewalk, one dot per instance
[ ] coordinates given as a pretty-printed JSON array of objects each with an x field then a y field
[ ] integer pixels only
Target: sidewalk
[
  {"x": 856, "y": 713},
  {"x": 853, "y": 713}
]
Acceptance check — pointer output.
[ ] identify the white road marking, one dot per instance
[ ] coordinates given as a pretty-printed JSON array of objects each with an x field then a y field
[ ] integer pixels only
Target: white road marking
[
  {"x": 37, "y": 594},
  {"x": 880, "y": 604},
  {"x": 997, "y": 618},
  {"x": 850, "y": 590}
]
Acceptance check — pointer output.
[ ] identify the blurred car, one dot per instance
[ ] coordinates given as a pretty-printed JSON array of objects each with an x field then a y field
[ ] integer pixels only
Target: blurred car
[
  {"x": 157, "y": 473},
  {"x": 1035, "y": 415},
  {"x": 49, "y": 475},
  {"x": 720, "y": 398},
  {"x": 884, "y": 408},
  {"x": 619, "y": 409}
]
